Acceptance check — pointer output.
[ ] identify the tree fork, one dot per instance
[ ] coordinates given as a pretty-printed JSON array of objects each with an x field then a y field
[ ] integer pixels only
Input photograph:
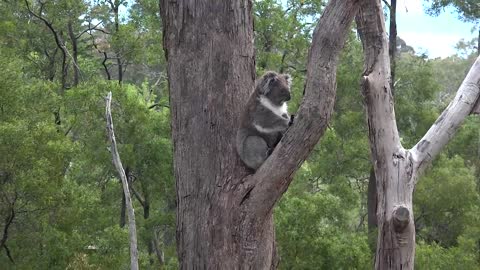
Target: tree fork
[
  {"x": 224, "y": 213},
  {"x": 397, "y": 169}
]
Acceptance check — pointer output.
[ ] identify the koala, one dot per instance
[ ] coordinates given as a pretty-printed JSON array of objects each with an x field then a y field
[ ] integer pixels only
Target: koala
[{"x": 265, "y": 119}]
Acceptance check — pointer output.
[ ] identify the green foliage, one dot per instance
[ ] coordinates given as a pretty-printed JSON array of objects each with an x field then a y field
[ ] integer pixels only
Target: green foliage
[
  {"x": 313, "y": 232},
  {"x": 56, "y": 172},
  {"x": 415, "y": 92},
  {"x": 467, "y": 9},
  {"x": 57, "y": 177},
  {"x": 441, "y": 217},
  {"x": 439, "y": 258}
]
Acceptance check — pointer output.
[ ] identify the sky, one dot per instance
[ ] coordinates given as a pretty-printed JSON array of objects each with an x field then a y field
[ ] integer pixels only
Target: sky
[{"x": 435, "y": 36}]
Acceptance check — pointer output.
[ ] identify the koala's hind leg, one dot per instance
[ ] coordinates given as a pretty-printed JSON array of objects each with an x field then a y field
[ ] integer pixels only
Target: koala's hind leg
[{"x": 255, "y": 151}]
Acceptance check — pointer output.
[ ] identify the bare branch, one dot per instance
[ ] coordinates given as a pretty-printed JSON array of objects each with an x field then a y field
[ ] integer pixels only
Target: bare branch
[
  {"x": 158, "y": 105},
  {"x": 105, "y": 58},
  {"x": 132, "y": 230},
  {"x": 58, "y": 39},
  {"x": 8, "y": 221},
  {"x": 9, "y": 255},
  {"x": 89, "y": 28},
  {"x": 387, "y": 4},
  {"x": 451, "y": 118},
  {"x": 138, "y": 196}
]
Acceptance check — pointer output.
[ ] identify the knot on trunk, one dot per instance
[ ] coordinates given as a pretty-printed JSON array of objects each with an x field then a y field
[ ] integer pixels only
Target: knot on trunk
[{"x": 401, "y": 218}]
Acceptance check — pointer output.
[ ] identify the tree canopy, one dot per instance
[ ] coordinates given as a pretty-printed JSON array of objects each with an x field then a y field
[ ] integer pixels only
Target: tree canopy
[{"x": 61, "y": 201}]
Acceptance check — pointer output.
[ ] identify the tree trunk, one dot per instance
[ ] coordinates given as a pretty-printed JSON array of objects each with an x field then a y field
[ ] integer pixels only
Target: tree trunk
[
  {"x": 132, "y": 228},
  {"x": 224, "y": 213},
  {"x": 397, "y": 169}
]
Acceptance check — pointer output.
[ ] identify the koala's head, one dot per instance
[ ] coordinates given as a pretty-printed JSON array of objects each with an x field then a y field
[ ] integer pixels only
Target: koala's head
[{"x": 274, "y": 86}]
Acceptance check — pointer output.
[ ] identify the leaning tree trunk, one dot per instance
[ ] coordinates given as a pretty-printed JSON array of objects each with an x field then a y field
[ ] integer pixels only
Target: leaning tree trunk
[
  {"x": 132, "y": 227},
  {"x": 397, "y": 169},
  {"x": 224, "y": 214}
]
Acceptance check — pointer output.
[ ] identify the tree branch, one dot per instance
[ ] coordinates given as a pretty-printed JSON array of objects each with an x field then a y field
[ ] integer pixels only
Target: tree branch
[
  {"x": 105, "y": 58},
  {"x": 118, "y": 165},
  {"x": 273, "y": 178},
  {"x": 382, "y": 127},
  {"x": 451, "y": 118},
  {"x": 138, "y": 196},
  {"x": 9, "y": 255},
  {"x": 8, "y": 221},
  {"x": 387, "y": 4},
  {"x": 89, "y": 28},
  {"x": 58, "y": 40},
  {"x": 158, "y": 105}
]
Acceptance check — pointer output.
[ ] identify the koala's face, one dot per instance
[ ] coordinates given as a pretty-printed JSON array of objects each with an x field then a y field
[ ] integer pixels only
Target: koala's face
[{"x": 278, "y": 88}]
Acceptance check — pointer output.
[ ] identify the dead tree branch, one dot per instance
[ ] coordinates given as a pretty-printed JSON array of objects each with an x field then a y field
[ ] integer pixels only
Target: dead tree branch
[{"x": 118, "y": 165}]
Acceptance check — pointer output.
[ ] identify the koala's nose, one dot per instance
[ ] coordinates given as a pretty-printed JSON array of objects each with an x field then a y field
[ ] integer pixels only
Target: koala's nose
[{"x": 288, "y": 97}]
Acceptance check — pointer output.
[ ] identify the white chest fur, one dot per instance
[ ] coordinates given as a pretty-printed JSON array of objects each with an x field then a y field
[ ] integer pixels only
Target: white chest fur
[{"x": 278, "y": 110}]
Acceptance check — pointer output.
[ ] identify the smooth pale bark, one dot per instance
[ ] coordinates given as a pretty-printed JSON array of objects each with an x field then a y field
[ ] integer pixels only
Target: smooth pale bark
[
  {"x": 132, "y": 229},
  {"x": 224, "y": 213},
  {"x": 396, "y": 168}
]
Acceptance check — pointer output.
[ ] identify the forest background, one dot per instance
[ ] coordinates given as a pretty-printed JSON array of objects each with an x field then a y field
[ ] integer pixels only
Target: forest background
[{"x": 61, "y": 201}]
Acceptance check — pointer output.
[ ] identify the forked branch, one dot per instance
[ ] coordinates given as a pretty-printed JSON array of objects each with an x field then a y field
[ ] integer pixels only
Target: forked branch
[{"x": 274, "y": 176}]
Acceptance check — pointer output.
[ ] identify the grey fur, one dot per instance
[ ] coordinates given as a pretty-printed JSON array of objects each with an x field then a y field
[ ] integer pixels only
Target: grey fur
[{"x": 261, "y": 128}]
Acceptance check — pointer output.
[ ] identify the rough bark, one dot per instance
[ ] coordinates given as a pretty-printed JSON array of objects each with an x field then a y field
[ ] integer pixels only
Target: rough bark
[
  {"x": 224, "y": 214},
  {"x": 132, "y": 229},
  {"x": 396, "y": 168}
]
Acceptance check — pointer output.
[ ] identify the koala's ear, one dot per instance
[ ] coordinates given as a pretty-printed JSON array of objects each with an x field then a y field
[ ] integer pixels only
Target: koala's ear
[{"x": 288, "y": 78}]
